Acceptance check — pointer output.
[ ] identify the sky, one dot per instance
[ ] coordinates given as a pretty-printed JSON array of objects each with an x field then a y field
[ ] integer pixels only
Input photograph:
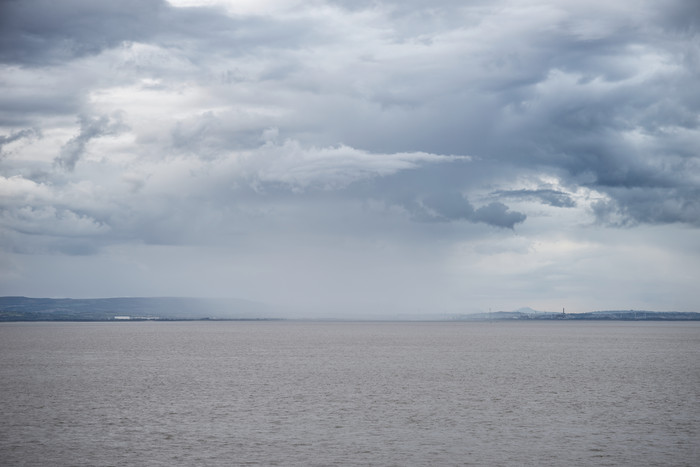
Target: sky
[{"x": 353, "y": 157}]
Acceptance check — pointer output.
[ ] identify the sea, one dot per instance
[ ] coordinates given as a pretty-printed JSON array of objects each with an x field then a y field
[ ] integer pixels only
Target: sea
[{"x": 554, "y": 393}]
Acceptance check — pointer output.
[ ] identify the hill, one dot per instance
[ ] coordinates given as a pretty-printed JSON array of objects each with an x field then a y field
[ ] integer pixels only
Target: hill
[{"x": 103, "y": 309}]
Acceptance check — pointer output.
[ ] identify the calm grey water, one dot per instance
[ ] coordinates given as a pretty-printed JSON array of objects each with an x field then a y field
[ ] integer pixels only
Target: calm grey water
[{"x": 290, "y": 393}]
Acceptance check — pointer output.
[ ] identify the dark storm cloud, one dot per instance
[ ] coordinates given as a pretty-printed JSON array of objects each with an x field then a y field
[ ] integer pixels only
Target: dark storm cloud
[
  {"x": 452, "y": 206},
  {"x": 680, "y": 15},
  {"x": 614, "y": 127},
  {"x": 579, "y": 100},
  {"x": 600, "y": 103},
  {"x": 448, "y": 206},
  {"x": 630, "y": 206},
  {"x": 42, "y": 32},
  {"x": 499, "y": 215},
  {"x": 428, "y": 194}
]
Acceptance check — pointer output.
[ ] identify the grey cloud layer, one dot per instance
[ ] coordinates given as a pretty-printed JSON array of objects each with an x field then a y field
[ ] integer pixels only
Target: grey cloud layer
[{"x": 171, "y": 115}]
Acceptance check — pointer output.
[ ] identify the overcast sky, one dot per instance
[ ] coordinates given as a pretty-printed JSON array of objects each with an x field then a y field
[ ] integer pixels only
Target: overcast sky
[{"x": 353, "y": 156}]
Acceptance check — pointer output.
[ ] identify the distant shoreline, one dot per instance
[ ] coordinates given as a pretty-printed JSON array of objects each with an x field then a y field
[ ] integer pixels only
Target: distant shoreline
[
  {"x": 611, "y": 315},
  {"x": 129, "y": 309}
]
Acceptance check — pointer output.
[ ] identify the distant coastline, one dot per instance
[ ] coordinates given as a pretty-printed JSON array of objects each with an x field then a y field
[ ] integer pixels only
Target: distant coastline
[
  {"x": 126, "y": 309},
  {"x": 130, "y": 309},
  {"x": 619, "y": 315}
]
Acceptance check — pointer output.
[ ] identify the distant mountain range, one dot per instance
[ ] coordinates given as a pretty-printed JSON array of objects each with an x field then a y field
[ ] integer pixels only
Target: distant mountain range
[{"x": 128, "y": 308}]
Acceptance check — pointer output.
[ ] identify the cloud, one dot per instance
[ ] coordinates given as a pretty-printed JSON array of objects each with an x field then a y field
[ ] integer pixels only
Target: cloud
[
  {"x": 44, "y": 33},
  {"x": 498, "y": 214},
  {"x": 16, "y": 136},
  {"x": 554, "y": 198},
  {"x": 164, "y": 201},
  {"x": 90, "y": 128},
  {"x": 631, "y": 206},
  {"x": 450, "y": 206},
  {"x": 326, "y": 168},
  {"x": 398, "y": 130},
  {"x": 50, "y": 221},
  {"x": 581, "y": 91}
]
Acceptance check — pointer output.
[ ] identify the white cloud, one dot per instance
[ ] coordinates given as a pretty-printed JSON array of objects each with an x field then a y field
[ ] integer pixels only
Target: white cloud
[{"x": 327, "y": 168}]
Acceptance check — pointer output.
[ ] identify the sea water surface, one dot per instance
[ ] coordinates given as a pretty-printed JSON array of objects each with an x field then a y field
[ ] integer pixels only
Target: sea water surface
[{"x": 332, "y": 393}]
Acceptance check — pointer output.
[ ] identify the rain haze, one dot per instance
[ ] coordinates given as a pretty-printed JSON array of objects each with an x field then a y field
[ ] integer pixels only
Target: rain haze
[{"x": 353, "y": 157}]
